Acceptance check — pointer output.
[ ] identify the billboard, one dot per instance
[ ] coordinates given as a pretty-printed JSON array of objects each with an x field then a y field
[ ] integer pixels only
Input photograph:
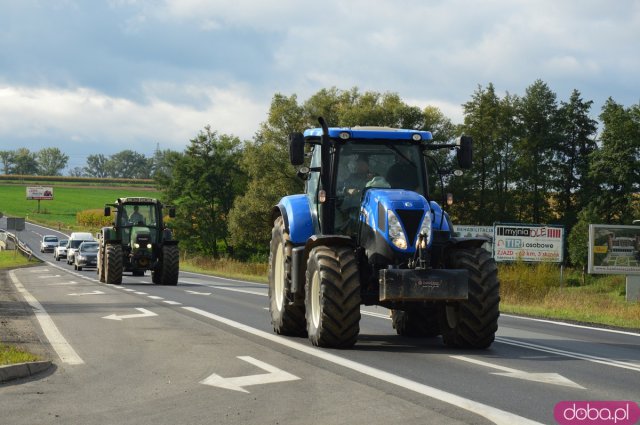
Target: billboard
[
  {"x": 614, "y": 249},
  {"x": 40, "y": 193},
  {"x": 465, "y": 231},
  {"x": 528, "y": 242}
]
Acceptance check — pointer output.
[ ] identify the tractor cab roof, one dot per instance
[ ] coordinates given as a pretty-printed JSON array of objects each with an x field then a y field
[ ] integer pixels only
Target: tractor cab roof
[
  {"x": 136, "y": 200},
  {"x": 369, "y": 133}
]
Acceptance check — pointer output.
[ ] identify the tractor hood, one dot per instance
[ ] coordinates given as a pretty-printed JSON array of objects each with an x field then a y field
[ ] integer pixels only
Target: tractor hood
[{"x": 393, "y": 219}]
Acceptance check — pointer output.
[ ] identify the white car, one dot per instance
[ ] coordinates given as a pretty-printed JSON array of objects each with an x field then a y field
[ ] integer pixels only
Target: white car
[
  {"x": 61, "y": 250},
  {"x": 49, "y": 243}
]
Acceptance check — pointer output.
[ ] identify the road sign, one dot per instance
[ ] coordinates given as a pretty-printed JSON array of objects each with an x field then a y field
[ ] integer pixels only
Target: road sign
[
  {"x": 41, "y": 193},
  {"x": 614, "y": 249}
]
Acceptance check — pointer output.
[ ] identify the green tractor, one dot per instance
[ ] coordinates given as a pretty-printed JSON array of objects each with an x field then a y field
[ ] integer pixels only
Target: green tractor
[{"x": 138, "y": 241}]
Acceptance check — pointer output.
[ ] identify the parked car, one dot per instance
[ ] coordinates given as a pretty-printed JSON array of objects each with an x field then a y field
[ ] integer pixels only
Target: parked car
[
  {"x": 86, "y": 256},
  {"x": 75, "y": 240},
  {"x": 49, "y": 243},
  {"x": 61, "y": 250}
]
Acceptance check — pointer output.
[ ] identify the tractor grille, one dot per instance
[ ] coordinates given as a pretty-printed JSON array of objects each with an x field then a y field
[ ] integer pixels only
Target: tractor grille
[{"x": 411, "y": 220}]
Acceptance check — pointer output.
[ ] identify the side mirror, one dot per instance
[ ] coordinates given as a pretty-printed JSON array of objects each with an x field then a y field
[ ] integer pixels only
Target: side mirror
[
  {"x": 172, "y": 212},
  {"x": 464, "y": 152},
  {"x": 303, "y": 173},
  {"x": 107, "y": 211},
  {"x": 296, "y": 148}
]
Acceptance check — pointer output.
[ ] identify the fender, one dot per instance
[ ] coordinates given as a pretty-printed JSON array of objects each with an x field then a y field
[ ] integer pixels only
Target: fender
[
  {"x": 440, "y": 218},
  {"x": 296, "y": 214}
]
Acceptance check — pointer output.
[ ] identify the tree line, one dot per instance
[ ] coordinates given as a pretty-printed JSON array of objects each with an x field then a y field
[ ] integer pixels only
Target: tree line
[
  {"x": 537, "y": 159},
  {"x": 52, "y": 162}
]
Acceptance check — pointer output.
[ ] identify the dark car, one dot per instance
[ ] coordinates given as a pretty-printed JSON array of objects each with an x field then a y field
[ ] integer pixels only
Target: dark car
[
  {"x": 49, "y": 243},
  {"x": 87, "y": 255}
]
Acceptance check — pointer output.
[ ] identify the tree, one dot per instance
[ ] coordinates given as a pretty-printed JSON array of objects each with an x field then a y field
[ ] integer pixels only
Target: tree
[
  {"x": 615, "y": 167},
  {"x": 77, "y": 172},
  {"x": 96, "y": 166},
  {"x": 8, "y": 160},
  {"x": 576, "y": 144},
  {"x": 51, "y": 162},
  {"x": 25, "y": 162},
  {"x": 128, "y": 164},
  {"x": 578, "y": 239},
  {"x": 206, "y": 179}
]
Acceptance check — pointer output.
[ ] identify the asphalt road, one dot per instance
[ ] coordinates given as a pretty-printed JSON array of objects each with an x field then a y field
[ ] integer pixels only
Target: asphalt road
[{"x": 170, "y": 357}]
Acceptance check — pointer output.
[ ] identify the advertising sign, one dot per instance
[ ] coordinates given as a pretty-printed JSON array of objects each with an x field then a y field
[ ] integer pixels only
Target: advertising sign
[
  {"x": 40, "y": 193},
  {"x": 464, "y": 231},
  {"x": 529, "y": 242},
  {"x": 614, "y": 249}
]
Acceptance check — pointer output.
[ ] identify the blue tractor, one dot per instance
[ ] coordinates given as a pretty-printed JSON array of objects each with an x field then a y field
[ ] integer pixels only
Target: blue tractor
[{"x": 366, "y": 232}]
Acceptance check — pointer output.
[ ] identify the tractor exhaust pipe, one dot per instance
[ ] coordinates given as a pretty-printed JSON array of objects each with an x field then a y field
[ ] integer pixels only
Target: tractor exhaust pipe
[{"x": 327, "y": 214}]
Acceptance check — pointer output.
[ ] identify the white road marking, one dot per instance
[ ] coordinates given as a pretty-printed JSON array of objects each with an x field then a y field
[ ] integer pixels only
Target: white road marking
[
  {"x": 237, "y": 383},
  {"x": 143, "y": 313},
  {"x": 39, "y": 271},
  {"x": 155, "y": 297},
  {"x": 63, "y": 283},
  {"x": 130, "y": 290},
  {"x": 64, "y": 350},
  {"x": 553, "y": 322},
  {"x": 172, "y": 302},
  {"x": 545, "y": 378},
  {"x": 49, "y": 276},
  {"x": 140, "y": 293},
  {"x": 226, "y": 288},
  {"x": 76, "y": 294},
  {"x": 197, "y": 293},
  {"x": 594, "y": 359},
  {"x": 493, "y": 414},
  {"x": 379, "y": 315}
]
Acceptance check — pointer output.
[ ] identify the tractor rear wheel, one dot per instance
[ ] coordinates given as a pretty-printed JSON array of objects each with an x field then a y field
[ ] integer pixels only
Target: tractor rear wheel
[
  {"x": 286, "y": 319},
  {"x": 170, "y": 266},
  {"x": 113, "y": 266},
  {"x": 100, "y": 265},
  {"x": 473, "y": 323},
  {"x": 332, "y": 297},
  {"x": 420, "y": 321}
]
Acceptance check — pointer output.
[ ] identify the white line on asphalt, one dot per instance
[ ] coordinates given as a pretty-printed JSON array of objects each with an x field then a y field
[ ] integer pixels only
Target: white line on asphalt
[
  {"x": 593, "y": 359},
  {"x": 171, "y": 302},
  {"x": 64, "y": 350},
  {"x": 155, "y": 297},
  {"x": 140, "y": 293},
  {"x": 130, "y": 290},
  {"x": 553, "y": 322},
  {"x": 496, "y": 415},
  {"x": 223, "y": 278}
]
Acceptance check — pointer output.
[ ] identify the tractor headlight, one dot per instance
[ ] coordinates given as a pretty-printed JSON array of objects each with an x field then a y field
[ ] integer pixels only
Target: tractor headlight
[
  {"x": 425, "y": 229},
  {"x": 396, "y": 234},
  {"x": 136, "y": 245},
  {"x": 148, "y": 246}
]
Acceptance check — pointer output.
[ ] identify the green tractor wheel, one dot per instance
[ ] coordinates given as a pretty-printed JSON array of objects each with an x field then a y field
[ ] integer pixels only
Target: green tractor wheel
[
  {"x": 100, "y": 265},
  {"x": 167, "y": 272},
  {"x": 113, "y": 273}
]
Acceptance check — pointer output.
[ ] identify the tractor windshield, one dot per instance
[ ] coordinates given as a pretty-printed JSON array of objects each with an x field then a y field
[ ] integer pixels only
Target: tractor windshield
[{"x": 139, "y": 215}]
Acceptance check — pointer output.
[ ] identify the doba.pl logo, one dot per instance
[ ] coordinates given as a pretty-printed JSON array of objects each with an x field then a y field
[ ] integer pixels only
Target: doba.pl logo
[{"x": 596, "y": 412}]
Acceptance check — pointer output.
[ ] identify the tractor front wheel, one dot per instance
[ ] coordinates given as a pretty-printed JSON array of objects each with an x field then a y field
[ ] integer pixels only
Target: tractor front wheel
[
  {"x": 473, "y": 323},
  {"x": 113, "y": 265},
  {"x": 286, "y": 319},
  {"x": 100, "y": 264},
  {"x": 419, "y": 321},
  {"x": 332, "y": 297}
]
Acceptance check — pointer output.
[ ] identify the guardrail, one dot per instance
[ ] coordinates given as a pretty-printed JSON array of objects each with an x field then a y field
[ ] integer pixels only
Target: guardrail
[{"x": 20, "y": 246}]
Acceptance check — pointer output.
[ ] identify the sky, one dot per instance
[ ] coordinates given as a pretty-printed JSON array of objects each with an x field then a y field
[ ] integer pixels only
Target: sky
[{"x": 94, "y": 77}]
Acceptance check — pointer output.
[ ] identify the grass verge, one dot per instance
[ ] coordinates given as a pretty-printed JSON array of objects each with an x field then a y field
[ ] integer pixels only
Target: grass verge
[
  {"x": 12, "y": 355},
  {"x": 11, "y": 259},
  {"x": 224, "y": 267}
]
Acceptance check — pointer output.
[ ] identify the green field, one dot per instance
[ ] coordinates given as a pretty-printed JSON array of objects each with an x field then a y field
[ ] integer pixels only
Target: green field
[{"x": 66, "y": 203}]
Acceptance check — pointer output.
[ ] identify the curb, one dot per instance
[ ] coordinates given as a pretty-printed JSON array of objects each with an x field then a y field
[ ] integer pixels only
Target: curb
[{"x": 22, "y": 370}]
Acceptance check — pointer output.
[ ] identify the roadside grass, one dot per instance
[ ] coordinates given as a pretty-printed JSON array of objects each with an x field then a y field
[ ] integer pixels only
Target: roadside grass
[
  {"x": 11, "y": 259},
  {"x": 225, "y": 267},
  {"x": 535, "y": 290},
  {"x": 12, "y": 355},
  {"x": 60, "y": 213}
]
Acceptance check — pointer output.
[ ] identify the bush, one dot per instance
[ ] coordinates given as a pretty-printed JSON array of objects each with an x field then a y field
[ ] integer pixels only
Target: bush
[{"x": 94, "y": 219}]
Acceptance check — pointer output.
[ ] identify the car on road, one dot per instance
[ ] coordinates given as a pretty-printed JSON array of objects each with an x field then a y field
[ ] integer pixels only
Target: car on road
[
  {"x": 86, "y": 256},
  {"x": 48, "y": 243},
  {"x": 61, "y": 250},
  {"x": 75, "y": 240}
]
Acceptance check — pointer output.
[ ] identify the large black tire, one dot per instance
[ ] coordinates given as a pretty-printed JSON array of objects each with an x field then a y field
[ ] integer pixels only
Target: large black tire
[
  {"x": 332, "y": 297},
  {"x": 418, "y": 321},
  {"x": 286, "y": 319},
  {"x": 473, "y": 323},
  {"x": 169, "y": 267},
  {"x": 113, "y": 265},
  {"x": 100, "y": 264},
  {"x": 155, "y": 277}
]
